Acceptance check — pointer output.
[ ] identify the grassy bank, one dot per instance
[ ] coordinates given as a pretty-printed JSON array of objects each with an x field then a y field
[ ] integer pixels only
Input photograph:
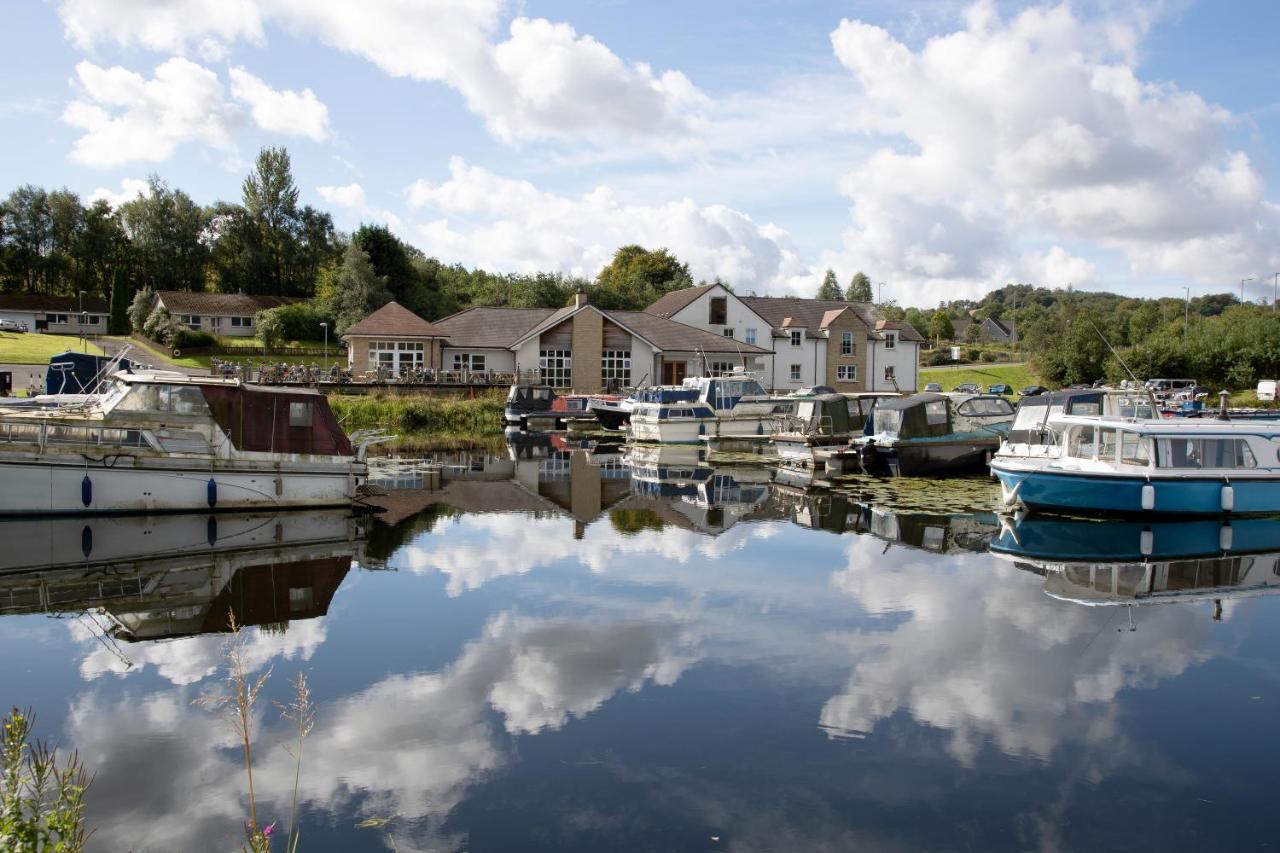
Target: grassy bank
[
  {"x": 1017, "y": 375},
  {"x": 410, "y": 415},
  {"x": 31, "y": 348}
]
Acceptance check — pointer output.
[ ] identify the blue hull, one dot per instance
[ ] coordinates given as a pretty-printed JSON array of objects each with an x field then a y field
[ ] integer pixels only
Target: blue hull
[
  {"x": 1116, "y": 540},
  {"x": 1086, "y": 493}
]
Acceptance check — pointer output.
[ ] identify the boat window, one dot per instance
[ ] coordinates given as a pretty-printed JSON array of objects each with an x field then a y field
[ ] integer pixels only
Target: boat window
[
  {"x": 187, "y": 400},
  {"x": 935, "y": 412},
  {"x": 20, "y": 432},
  {"x": 1087, "y": 407},
  {"x": 1080, "y": 444},
  {"x": 70, "y": 435},
  {"x": 887, "y": 421},
  {"x": 1107, "y": 445},
  {"x": 123, "y": 438},
  {"x": 1135, "y": 449},
  {"x": 805, "y": 410},
  {"x": 182, "y": 400},
  {"x": 984, "y": 407},
  {"x": 299, "y": 414},
  {"x": 1204, "y": 453}
]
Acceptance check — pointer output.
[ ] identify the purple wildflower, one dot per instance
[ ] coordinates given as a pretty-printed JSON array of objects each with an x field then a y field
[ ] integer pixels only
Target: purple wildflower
[{"x": 269, "y": 830}]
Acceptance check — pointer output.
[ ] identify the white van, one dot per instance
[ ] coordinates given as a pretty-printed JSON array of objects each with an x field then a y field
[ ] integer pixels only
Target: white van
[{"x": 1267, "y": 391}]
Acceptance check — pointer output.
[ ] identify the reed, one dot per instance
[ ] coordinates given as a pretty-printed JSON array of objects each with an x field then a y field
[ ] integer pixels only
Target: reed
[
  {"x": 419, "y": 413},
  {"x": 41, "y": 798}
]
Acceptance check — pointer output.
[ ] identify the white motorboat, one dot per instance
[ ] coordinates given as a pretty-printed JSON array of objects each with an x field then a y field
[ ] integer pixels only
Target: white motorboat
[
  {"x": 713, "y": 407},
  {"x": 159, "y": 441}
]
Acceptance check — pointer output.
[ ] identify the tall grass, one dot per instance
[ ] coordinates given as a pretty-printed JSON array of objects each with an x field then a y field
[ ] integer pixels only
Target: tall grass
[
  {"x": 419, "y": 413},
  {"x": 41, "y": 798}
]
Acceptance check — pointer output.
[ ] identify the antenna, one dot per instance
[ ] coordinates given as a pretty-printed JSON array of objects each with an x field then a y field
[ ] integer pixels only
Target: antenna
[{"x": 1155, "y": 407}]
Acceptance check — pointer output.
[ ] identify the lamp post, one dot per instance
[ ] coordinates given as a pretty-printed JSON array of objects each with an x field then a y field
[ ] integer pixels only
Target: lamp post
[
  {"x": 1242, "y": 281},
  {"x": 84, "y": 342},
  {"x": 325, "y": 326},
  {"x": 879, "y": 294},
  {"x": 1186, "y": 320}
]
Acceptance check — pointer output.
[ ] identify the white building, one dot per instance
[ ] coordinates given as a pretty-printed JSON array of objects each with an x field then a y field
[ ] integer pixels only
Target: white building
[
  {"x": 845, "y": 345},
  {"x": 226, "y": 314},
  {"x": 57, "y": 315}
]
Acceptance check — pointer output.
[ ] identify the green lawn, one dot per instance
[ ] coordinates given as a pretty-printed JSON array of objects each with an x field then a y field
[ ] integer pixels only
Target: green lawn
[
  {"x": 251, "y": 355},
  {"x": 30, "y": 348},
  {"x": 1018, "y": 375}
]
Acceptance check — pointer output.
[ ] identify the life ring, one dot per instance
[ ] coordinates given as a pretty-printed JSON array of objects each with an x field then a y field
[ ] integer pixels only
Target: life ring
[{"x": 177, "y": 353}]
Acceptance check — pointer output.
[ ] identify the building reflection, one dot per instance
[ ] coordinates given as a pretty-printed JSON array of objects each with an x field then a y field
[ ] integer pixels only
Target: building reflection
[{"x": 161, "y": 577}]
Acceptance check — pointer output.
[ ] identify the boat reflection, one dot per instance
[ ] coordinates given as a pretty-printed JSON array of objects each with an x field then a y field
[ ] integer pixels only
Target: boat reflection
[
  {"x": 162, "y": 577},
  {"x": 695, "y": 493},
  {"x": 809, "y": 501},
  {"x": 1113, "y": 562}
]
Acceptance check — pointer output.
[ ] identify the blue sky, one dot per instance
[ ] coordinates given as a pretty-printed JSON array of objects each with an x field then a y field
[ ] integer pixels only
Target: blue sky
[{"x": 942, "y": 147}]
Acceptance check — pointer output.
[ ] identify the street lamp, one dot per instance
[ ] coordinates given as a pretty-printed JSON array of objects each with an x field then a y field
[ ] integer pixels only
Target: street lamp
[
  {"x": 1186, "y": 321},
  {"x": 84, "y": 343},
  {"x": 1242, "y": 281},
  {"x": 325, "y": 326}
]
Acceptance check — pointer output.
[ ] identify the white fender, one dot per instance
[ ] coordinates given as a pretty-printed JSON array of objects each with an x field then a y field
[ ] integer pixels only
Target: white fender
[
  {"x": 1228, "y": 498},
  {"x": 1224, "y": 538},
  {"x": 1148, "y": 497},
  {"x": 1146, "y": 542}
]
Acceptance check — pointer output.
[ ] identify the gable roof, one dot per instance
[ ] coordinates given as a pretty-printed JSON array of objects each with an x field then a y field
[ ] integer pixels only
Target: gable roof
[
  {"x": 780, "y": 311},
  {"x": 393, "y": 320},
  {"x": 59, "y": 304},
  {"x": 672, "y": 335},
  {"x": 491, "y": 328},
  {"x": 552, "y": 319},
  {"x": 906, "y": 331},
  {"x": 233, "y": 304},
  {"x": 672, "y": 303}
]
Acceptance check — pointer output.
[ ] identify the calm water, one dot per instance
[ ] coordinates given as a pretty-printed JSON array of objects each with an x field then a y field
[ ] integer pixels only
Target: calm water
[{"x": 575, "y": 651}]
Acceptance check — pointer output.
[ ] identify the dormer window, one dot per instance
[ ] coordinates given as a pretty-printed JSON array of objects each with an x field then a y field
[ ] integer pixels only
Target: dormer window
[
  {"x": 796, "y": 337},
  {"x": 718, "y": 311},
  {"x": 890, "y": 340}
]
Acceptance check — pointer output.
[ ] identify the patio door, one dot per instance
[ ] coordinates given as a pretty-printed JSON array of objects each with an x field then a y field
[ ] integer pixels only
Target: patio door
[{"x": 673, "y": 372}]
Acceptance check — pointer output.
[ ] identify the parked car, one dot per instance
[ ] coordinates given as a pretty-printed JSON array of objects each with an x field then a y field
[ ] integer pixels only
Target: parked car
[
  {"x": 1034, "y": 391},
  {"x": 1007, "y": 390},
  {"x": 933, "y": 386},
  {"x": 969, "y": 388},
  {"x": 12, "y": 326}
]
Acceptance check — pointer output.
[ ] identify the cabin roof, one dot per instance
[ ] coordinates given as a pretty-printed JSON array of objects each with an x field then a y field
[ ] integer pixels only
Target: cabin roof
[{"x": 393, "y": 320}]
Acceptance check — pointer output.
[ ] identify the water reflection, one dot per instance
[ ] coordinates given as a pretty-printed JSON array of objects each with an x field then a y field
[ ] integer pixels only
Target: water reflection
[{"x": 581, "y": 646}]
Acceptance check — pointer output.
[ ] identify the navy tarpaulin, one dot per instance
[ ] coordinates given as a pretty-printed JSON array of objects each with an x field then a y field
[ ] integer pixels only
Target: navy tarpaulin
[{"x": 83, "y": 375}]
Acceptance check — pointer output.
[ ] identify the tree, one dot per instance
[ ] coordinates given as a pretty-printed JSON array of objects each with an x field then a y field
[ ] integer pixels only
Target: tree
[
  {"x": 830, "y": 288},
  {"x": 140, "y": 308},
  {"x": 637, "y": 276},
  {"x": 359, "y": 290},
  {"x": 28, "y": 230},
  {"x": 859, "y": 289},
  {"x": 940, "y": 326},
  {"x": 118, "y": 323},
  {"x": 167, "y": 232}
]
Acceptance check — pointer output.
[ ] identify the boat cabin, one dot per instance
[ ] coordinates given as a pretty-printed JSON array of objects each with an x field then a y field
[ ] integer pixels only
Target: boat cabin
[
  {"x": 1031, "y": 423},
  {"x": 1117, "y": 444},
  {"x": 938, "y": 415}
]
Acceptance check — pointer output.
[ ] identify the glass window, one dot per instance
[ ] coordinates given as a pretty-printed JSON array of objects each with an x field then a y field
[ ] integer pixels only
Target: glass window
[
  {"x": 986, "y": 408},
  {"x": 846, "y": 343},
  {"x": 718, "y": 311},
  {"x": 890, "y": 340},
  {"x": 1107, "y": 445},
  {"x": 847, "y": 372},
  {"x": 1134, "y": 449},
  {"x": 890, "y": 373},
  {"x": 615, "y": 367},
  {"x": 795, "y": 373},
  {"x": 187, "y": 400},
  {"x": 719, "y": 368},
  {"x": 796, "y": 337},
  {"x": 557, "y": 367},
  {"x": 935, "y": 412},
  {"x": 1080, "y": 443},
  {"x": 299, "y": 414},
  {"x": 751, "y": 336},
  {"x": 728, "y": 331},
  {"x": 1204, "y": 453}
]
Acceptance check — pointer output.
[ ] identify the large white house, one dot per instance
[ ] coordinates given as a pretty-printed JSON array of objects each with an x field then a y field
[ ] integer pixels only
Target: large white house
[{"x": 845, "y": 345}]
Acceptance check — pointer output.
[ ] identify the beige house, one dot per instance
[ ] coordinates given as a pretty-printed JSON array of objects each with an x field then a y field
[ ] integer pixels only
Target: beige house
[
  {"x": 58, "y": 315},
  {"x": 396, "y": 339},
  {"x": 226, "y": 314}
]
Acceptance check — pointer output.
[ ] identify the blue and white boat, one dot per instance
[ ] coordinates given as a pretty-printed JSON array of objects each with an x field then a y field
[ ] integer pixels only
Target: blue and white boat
[
  {"x": 734, "y": 406},
  {"x": 1107, "y": 465}
]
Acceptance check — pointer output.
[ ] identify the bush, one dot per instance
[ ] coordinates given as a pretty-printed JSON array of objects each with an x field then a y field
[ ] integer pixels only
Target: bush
[
  {"x": 973, "y": 354},
  {"x": 989, "y": 356},
  {"x": 183, "y": 338},
  {"x": 938, "y": 357},
  {"x": 297, "y": 322}
]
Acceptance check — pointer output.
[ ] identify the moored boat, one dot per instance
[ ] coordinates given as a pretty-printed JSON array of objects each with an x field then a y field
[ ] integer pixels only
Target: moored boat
[
  {"x": 1117, "y": 466},
  {"x": 814, "y": 421},
  {"x": 164, "y": 442},
  {"x": 540, "y": 407},
  {"x": 702, "y": 409},
  {"x": 932, "y": 434}
]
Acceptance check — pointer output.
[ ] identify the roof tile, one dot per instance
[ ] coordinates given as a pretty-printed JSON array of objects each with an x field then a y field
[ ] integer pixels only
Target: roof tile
[{"x": 394, "y": 320}]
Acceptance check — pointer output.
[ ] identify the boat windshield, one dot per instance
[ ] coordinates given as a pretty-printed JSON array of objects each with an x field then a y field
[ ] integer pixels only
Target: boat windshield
[
  {"x": 166, "y": 399},
  {"x": 888, "y": 421}
]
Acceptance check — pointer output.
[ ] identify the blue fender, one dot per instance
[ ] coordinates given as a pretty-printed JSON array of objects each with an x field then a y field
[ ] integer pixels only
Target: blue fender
[
  {"x": 86, "y": 490},
  {"x": 213, "y": 492}
]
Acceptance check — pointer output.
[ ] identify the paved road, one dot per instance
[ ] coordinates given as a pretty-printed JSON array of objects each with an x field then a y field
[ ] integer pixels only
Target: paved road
[
  {"x": 975, "y": 366},
  {"x": 111, "y": 347}
]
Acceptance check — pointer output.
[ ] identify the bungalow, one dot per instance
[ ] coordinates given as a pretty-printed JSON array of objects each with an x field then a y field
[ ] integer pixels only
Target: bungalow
[
  {"x": 990, "y": 330},
  {"x": 845, "y": 345},
  {"x": 60, "y": 315},
  {"x": 579, "y": 347},
  {"x": 227, "y": 314}
]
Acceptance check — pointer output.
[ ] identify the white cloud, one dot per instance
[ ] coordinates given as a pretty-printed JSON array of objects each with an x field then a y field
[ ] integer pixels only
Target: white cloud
[
  {"x": 544, "y": 80},
  {"x": 1038, "y": 125},
  {"x": 127, "y": 117},
  {"x": 281, "y": 110},
  {"x": 130, "y": 188},
  {"x": 504, "y": 224},
  {"x": 352, "y": 197}
]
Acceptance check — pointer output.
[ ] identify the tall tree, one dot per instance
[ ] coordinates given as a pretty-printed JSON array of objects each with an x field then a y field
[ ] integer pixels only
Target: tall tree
[
  {"x": 357, "y": 289},
  {"x": 940, "y": 326},
  {"x": 859, "y": 288},
  {"x": 101, "y": 250},
  {"x": 118, "y": 320},
  {"x": 270, "y": 199},
  {"x": 830, "y": 288},
  {"x": 637, "y": 276},
  {"x": 167, "y": 231},
  {"x": 28, "y": 231}
]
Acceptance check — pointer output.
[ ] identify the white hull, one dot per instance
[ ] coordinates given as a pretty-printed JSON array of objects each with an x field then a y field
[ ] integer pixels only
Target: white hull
[
  {"x": 35, "y": 485},
  {"x": 699, "y": 429}
]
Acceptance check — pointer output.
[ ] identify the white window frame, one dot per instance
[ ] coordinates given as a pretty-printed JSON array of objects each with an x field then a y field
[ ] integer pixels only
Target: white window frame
[
  {"x": 556, "y": 366},
  {"x": 472, "y": 362},
  {"x": 751, "y": 337},
  {"x": 720, "y": 368},
  {"x": 890, "y": 373},
  {"x": 615, "y": 364},
  {"x": 728, "y": 331},
  {"x": 397, "y": 356},
  {"x": 797, "y": 337},
  {"x": 890, "y": 340},
  {"x": 797, "y": 372},
  {"x": 847, "y": 372}
]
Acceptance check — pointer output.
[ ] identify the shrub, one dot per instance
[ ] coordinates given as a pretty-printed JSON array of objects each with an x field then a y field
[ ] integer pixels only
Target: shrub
[
  {"x": 297, "y": 322},
  {"x": 141, "y": 309},
  {"x": 989, "y": 356},
  {"x": 938, "y": 357},
  {"x": 184, "y": 338},
  {"x": 973, "y": 354}
]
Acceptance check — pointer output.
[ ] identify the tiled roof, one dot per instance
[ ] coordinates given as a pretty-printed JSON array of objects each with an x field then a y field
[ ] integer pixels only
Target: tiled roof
[
  {"x": 906, "y": 331},
  {"x": 551, "y": 319},
  {"x": 781, "y": 311},
  {"x": 491, "y": 327},
  {"x": 670, "y": 335},
  {"x": 58, "y": 304},
  {"x": 220, "y": 304},
  {"x": 393, "y": 320},
  {"x": 671, "y": 303}
]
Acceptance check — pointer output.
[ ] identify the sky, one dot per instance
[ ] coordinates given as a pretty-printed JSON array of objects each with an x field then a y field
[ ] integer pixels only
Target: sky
[{"x": 944, "y": 148}]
